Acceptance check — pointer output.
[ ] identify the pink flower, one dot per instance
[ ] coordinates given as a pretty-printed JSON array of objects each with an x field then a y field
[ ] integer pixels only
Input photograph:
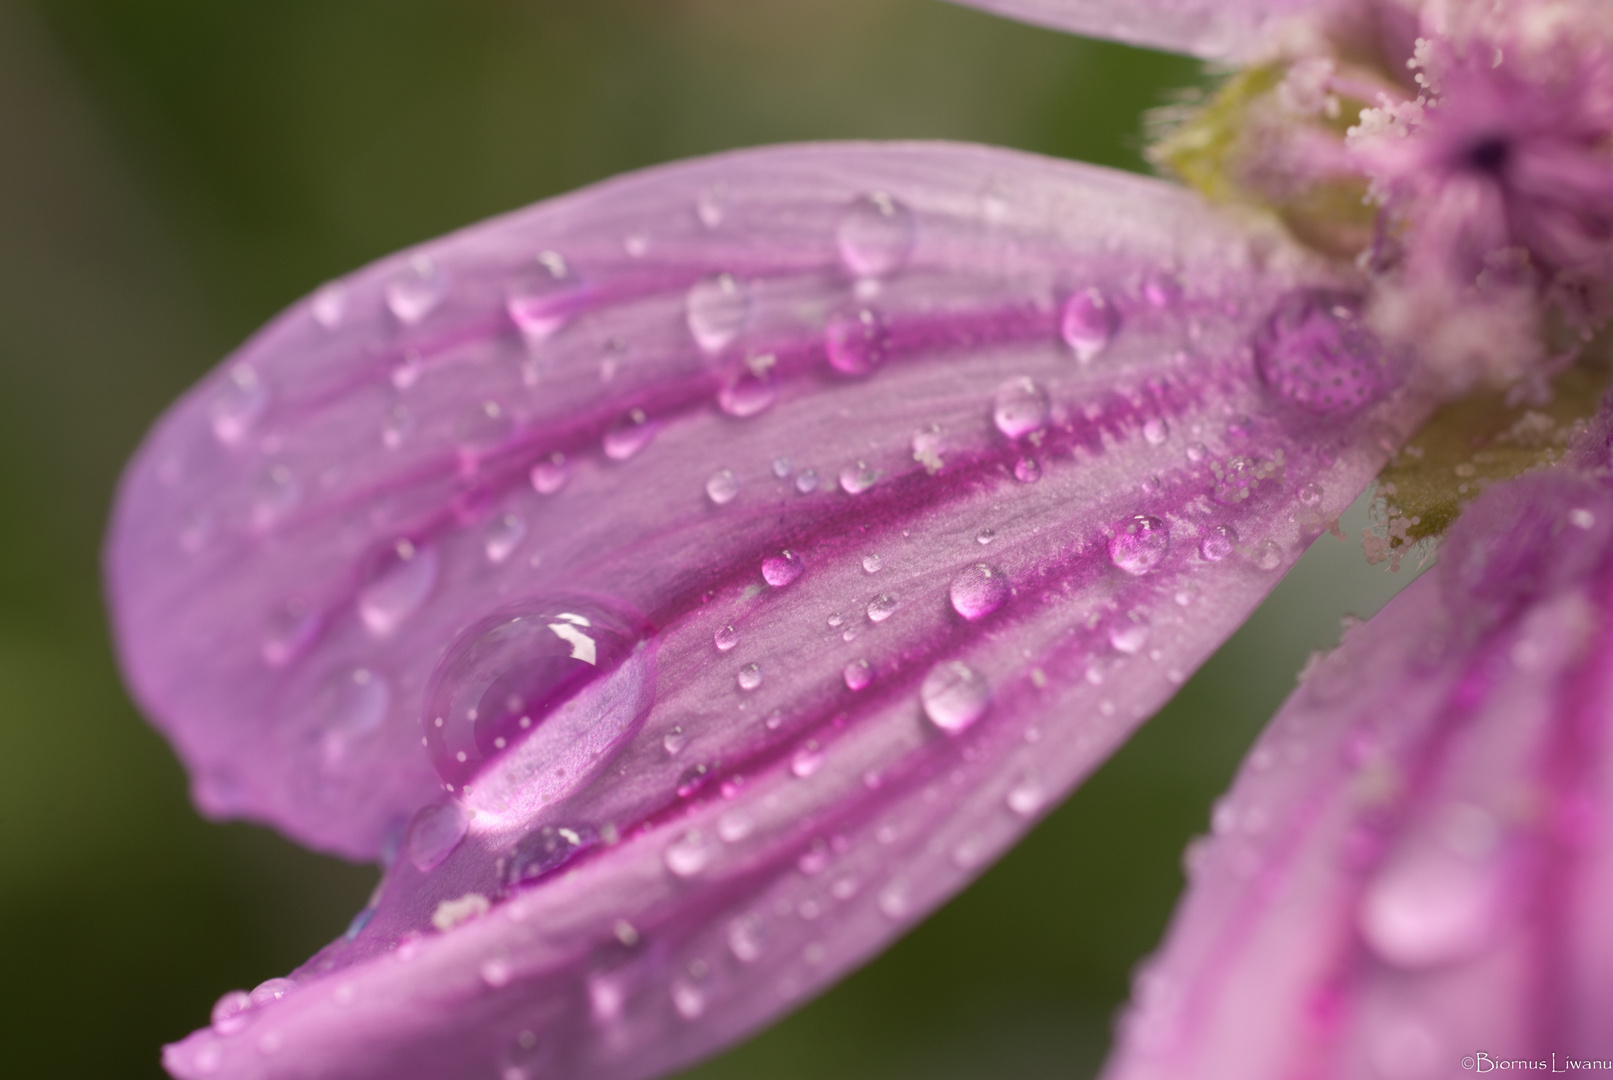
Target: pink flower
[{"x": 685, "y": 585}]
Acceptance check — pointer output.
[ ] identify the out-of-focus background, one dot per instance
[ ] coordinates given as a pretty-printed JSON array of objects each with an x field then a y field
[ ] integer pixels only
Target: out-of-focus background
[{"x": 173, "y": 172}]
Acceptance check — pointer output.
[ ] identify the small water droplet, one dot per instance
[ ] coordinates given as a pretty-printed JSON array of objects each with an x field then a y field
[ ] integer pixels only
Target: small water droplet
[
  {"x": 271, "y": 990},
  {"x": 236, "y": 404},
  {"x": 954, "y": 696},
  {"x": 674, "y": 741},
  {"x": 711, "y": 205},
  {"x": 688, "y": 855},
  {"x": 1019, "y": 407},
  {"x": 1197, "y": 452},
  {"x": 1317, "y": 353},
  {"x": 414, "y": 291},
  {"x": 985, "y": 536},
  {"x": 750, "y": 677},
  {"x": 873, "y": 564},
  {"x": 748, "y": 393},
  {"x": 1162, "y": 289},
  {"x": 781, "y": 569},
  {"x": 506, "y": 673},
  {"x": 688, "y": 999},
  {"x": 1267, "y": 555},
  {"x": 628, "y": 434},
  {"x": 979, "y": 590},
  {"x": 546, "y": 849},
  {"x": 1218, "y": 542},
  {"x": 735, "y": 826},
  {"x": 434, "y": 833},
  {"x": 397, "y": 427},
  {"x": 806, "y": 481},
  {"x": 503, "y": 536},
  {"x": 1155, "y": 431},
  {"x": 1027, "y": 470},
  {"x": 783, "y": 467},
  {"x": 329, "y": 305},
  {"x": 230, "y": 1012},
  {"x": 542, "y": 297},
  {"x": 288, "y": 632},
  {"x": 806, "y": 759},
  {"x": 722, "y": 487},
  {"x": 882, "y": 607},
  {"x": 1139, "y": 544},
  {"x": 876, "y": 235},
  {"x": 1089, "y": 323},
  {"x": 350, "y": 705},
  {"x": 857, "y": 674},
  {"x": 550, "y": 474},
  {"x": 858, "y": 478},
  {"x": 1129, "y": 634},
  {"x": 716, "y": 310},
  {"x": 856, "y": 343},
  {"x": 1027, "y": 796},
  {"x": 1311, "y": 494},
  {"x": 725, "y": 638},
  {"x": 401, "y": 581}
]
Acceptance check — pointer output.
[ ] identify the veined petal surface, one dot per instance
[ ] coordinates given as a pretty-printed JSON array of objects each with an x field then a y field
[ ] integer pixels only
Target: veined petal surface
[
  {"x": 688, "y": 583},
  {"x": 1411, "y": 876},
  {"x": 1212, "y": 29}
]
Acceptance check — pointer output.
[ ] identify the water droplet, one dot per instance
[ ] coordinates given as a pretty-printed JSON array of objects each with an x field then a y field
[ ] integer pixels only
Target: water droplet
[
  {"x": 237, "y": 404},
  {"x": 856, "y": 343},
  {"x": 271, "y": 990},
  {"x": 329, "y": 305},
  {"x": 954, "y": 696},
  {"x": 857, "y": 674},
  {"x": 504, "y": 535},
  {"x": 688, "y": 999},
  {"x": 858, "y": 478},
  {"x": 876, "y": 235},
  {"x": 750, "y": 677},
  {"x": 735, "y": 826},
  {"x": 481, "y": 428},
  {"x": 507, "y": 672},
  {"x": 1197, "y": 452},
  {"x": 688, "y": 855},
  {"x": 726, "y": 638},
  {"x": 402, "y": 579},
  {"x": 1155, "y": 431},
  {"x": 1433, "y": 909},
  {"x": 882, "y": 607},
  {"x": 1218, "y": 542},
  {"x": 783, "y": 467},
  {"x": 1162, "y": 289},
  {"x": 1129, "y": 634},
  {"x": 716, "y": 310},
  {"x": 1089, "y": 323},
  {"x": 781, "y": 569},
  {"x": 1027, "y": 796},
  {"x": 985, "y": 536},
  {"x": 806, "y": 759},
  {"x": 748, "y": 393},
  {"x": 745, "y": 939},
  {"x": 674, "y": 741},
  {"x": 628, "y": 435},
  {"x": 398, "y": 426},
  {"x": 978, "y": 591},
  {"x": 1027, "y": 470},
  {"x": 546, "y": 849},
  {"x": 1316, "y": 353},
  {"x": 550, "y": 474},
  {"x": 1019, "y": 408},
  {"x": 1139, "y": 544},
  {"x": 434, "y": 833},
  {"x": 1267, "y": 555},
  {"x": 711, "y": 205},
  {"x": 414, "y": 291},
  {"x": 873, "y": 564},
  {"x": 350, "y": 705},
  {"x": 722, "y": 487},
  {"x": 542, "y": 297},
  {"x": 230, "y": 1012},
  {"x": 806, "y": 481},
  {"x": 276, "y": 494},
  {"x": 1311, "y": 494}
]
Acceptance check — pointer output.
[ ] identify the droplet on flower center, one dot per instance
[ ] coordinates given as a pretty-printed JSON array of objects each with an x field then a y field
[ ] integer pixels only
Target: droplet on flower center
[{"x": 1317, "y": 354}]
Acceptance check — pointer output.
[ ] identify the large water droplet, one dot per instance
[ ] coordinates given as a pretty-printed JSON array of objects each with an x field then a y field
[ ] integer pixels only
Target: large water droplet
[
  {"x": 414, "y": 291},
  {"x": 402, "y": 579},
  {"x": 725, "y": 638},
  {"x": 1218, "y": 542},
  {"x": 748, "y": 393},
  {"x": 629, "y": 434},
  {"x": 856, "y": 342},
  {"x": 979, "y": 590},
  {"x": 873, "y": 564},
  {"x": 434, "y": 833},
  {"x": 781, "y": 569},
  {"x": 237, "y": 404},
  {"x": 688, "y": 855},
  {"x": 542, "y": 297},
  {"x": 749, "y": 677},
  {"x": 716, "y": 310},
  {"x": 954, "y": 696},
  {"x": 722, "y": 487},
  {"x": 1433, "y": 909},
  {"x": 1316, "y": 353},
  {"x": 876, "y": 235},
  {"x": 1019, "y": 408},
  {"x": 506, "y": 673},
  {"x": 882, "y": 607},
  {"x": 1130, "y": 633},
  {"x": 857, "y": 478},
  {"x": 1139, "y": 544},
  {"x": 1089, "y": 323}
]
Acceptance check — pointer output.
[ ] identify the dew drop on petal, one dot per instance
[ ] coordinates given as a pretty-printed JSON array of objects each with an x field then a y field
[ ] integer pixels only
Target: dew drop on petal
[
  {"x": 806, "y": 481},
  {"x": 503, "y": 536},
  {"x": 236, "y": 404},
  {"x": 856, "y": 342},
  {"x": 271, "y": 990},
  {"x": 716, "y": 309},
  {"x": 434, "y": 833},
  {"x": 781, "y": 569},
  {"x": 1027, "y": 470},
  {"x": 1316, "y": 353},
  {"x": 1155, "y": 431},
  {"x": 748, "y": 394},
  {"x": 688, "y": 999},
  {"x": 1027, "y": 796},
  {"x": 749, "y": 677},
  {"x": 674, "y": 741},
  {"x": 857, "y": 478},
  {"x": 1218, "y": 542},
  {"x": 725, "y": 638},
  {"x": 1019, "y": 407},
  {"x": 882, "y": 607},
  {"x": 402, "y": 580},
  {"x": 628, "y": 434},
  {"x": 546, "y": 849},
  {"x": 783, "y": 467},
  {"x": 1089, "y": 323},
  {"x": 1139, "y": 544},
  {"x": 414, "y": 291},
  {"x": 1162, "y": 289},
  {"x": 541, "y": 297},
  {"x": 857, "y": 674},
  {"x": 230, "y": 1012},
  {"x": 978, "y": 590},
  {"x": 1311, "y": 494},
  {"x": 954, "y": 696},
  {"x": 351, "y": 704},
  {"x": 711, "y": 205},
  {"x": 873, "y": 564},
  {"x": 507, "y": 672},
  {"x": 1267, "y": 555},
  {"x": 876, "y": 235},
  {"x": 1130, "y": 633},
  {"x": 329, "y": 305},
  {"x": 985, "y": 536},
  {"x": 806, "y": 760},
  {"x": 688, "y": 855},
  {"x": 550, "y": 474},
  {"x": 722, "y": 487}
]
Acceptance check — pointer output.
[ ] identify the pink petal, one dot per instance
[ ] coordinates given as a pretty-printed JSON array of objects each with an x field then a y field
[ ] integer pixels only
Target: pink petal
[
  {"x": 1213, "y": 29},
  {"x": 809, "y": 713},
  {"x": 1413, "y": 867}
]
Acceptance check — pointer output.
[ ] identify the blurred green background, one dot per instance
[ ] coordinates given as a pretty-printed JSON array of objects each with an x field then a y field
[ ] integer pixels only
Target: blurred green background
[{"x": 172, "y": 172}]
